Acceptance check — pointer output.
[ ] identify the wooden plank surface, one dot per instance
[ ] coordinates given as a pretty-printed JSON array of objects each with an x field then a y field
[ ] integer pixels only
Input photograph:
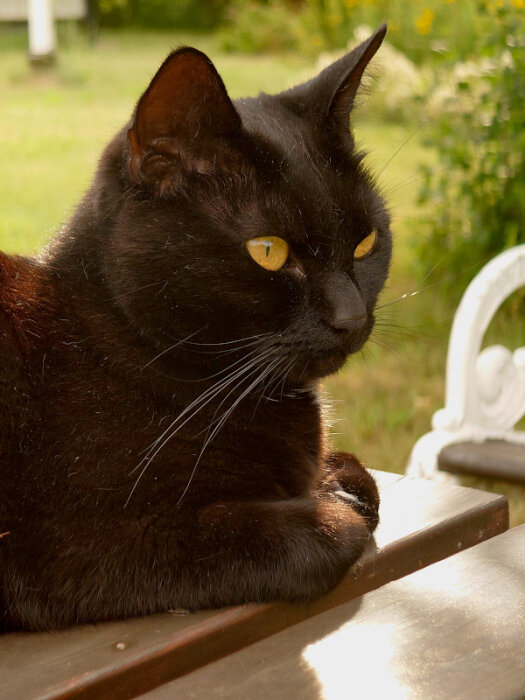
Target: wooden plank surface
[
  {"x": 453, "y": 630},
  {"x": 421, "y": 522},
  {"x": 495, "y": 459}
]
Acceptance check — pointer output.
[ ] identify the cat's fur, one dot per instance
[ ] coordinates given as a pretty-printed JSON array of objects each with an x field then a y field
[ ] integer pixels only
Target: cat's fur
[{"x": 148, "y": 301}]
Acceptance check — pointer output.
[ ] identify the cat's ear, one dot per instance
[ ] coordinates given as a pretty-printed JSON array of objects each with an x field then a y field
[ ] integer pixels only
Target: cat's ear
[
  {"x": 332, "y": 93},
  {"x": 185, "y": 116}
]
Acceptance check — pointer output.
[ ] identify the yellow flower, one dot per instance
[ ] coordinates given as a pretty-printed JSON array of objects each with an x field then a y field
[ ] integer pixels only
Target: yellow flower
[
  {"x": 518, "y": 4},
  {"x": 424, "y": 21}
]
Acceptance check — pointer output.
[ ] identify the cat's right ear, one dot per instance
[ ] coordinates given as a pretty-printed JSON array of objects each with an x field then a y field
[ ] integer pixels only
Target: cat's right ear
[
  {"x": 330, "y": 96},
  {"x": 185, "y": 120}
]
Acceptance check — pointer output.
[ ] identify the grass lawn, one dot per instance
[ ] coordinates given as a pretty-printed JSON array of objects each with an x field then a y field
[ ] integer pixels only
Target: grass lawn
[{"x": 53, "y": 126}]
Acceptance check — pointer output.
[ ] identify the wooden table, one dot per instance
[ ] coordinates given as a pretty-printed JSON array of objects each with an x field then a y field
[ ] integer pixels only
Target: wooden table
[
  {"x": 421, "y": 522},
  {"x": 455, "y": 630}
]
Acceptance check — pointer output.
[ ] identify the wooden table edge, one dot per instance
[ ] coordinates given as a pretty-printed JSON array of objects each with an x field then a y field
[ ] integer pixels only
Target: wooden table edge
[{"x": 236, "y": 628}]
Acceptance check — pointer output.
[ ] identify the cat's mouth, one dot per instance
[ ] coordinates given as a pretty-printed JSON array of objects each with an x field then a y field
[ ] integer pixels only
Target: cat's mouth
[
  {"x": 315, "y": 361},
  {"x": 322, "y": 365}
]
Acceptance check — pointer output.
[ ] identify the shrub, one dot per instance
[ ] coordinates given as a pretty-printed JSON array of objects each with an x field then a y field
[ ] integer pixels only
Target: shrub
[
  {"x": 255, "y": 26},
  {"x": 166, "y": 14},
  {"x": 422, "y": 29},
  {"x": 476, "y": 191}
]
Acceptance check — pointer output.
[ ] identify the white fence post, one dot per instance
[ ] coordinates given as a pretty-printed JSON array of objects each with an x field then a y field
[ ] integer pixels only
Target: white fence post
[{"x": 42, "y": 39}]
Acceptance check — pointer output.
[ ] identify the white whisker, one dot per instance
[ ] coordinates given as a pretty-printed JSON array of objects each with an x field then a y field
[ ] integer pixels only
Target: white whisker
[
  {"x": 171, "y": 347},
  {"x": 223, "y": 419},
  {"x": 197, "y": 404}
]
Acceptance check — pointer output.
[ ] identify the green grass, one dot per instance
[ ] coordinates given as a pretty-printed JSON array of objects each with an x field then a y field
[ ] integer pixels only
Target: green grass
[{"x": 53, "y": 125}]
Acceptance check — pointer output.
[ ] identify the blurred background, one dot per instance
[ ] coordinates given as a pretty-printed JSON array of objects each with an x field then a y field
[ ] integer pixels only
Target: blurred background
[{"x": 442, "y": 120}]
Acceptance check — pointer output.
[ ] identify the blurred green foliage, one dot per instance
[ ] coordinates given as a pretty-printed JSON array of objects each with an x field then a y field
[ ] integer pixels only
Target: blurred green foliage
[
  {"x": 475, "y": 191},
  {"x": 162, "y": 14},
  {"x": 422, "y": 29},
  {"x": 252, "y": 26},
  {"x": 255, "y": 25}
]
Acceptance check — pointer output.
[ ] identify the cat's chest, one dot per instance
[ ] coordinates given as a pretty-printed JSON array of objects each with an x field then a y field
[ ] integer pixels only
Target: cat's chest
[{"x": 96, "y": 431}]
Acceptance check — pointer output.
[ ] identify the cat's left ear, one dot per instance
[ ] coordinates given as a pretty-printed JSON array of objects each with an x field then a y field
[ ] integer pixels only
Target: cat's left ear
[
  {"x": 332, "y": 93},
  {"x": 185, "y": 117}
]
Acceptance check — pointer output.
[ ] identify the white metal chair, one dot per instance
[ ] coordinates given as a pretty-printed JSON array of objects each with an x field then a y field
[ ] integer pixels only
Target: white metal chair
[{"x": 485, "y": 391}]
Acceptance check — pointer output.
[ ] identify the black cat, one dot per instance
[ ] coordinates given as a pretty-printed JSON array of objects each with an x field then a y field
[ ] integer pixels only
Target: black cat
[{"x": 162, "y": 440}]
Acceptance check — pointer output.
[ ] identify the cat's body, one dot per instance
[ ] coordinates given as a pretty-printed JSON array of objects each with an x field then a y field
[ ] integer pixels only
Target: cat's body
[{"x": 128, "y": 485}]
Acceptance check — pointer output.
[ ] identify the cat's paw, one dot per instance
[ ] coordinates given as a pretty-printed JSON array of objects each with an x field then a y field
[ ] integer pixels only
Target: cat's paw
[{"x": 350, "y": 481}]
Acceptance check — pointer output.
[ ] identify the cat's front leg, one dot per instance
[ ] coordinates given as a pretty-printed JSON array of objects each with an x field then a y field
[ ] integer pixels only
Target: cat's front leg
[
  {"x": 293, "y": 550},
  {"x": 348, "y": 478},
  {"x": 224, "y": 553}
]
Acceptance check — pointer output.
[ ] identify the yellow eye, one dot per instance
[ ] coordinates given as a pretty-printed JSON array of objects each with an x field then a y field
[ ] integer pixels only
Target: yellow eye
[
  {"x": 269, "y": 252},
  {"x": 366, "y": 246}
]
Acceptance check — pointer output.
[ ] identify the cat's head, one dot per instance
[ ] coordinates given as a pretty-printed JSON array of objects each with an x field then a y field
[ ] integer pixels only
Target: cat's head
[{"x": 249, "y": 218}]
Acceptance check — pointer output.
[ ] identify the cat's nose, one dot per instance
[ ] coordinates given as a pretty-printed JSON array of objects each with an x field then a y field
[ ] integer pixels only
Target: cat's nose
[
  {"x": 344, "y": 306},
  {"x": 351, "y": 324}
]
